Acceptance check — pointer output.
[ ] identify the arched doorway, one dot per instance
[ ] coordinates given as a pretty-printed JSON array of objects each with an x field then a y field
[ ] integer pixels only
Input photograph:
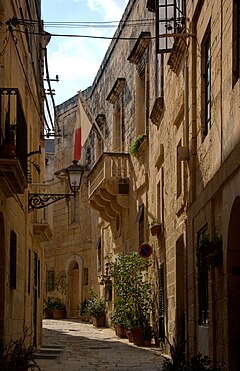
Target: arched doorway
[
  {"x": 233, "y": 286},
  {"x": 73, "y": 272},
  {"x": 2, "y": 276}
]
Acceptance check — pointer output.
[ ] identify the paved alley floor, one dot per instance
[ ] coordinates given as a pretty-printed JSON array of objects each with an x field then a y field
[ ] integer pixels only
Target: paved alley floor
[{"x": 72, "y": 345}]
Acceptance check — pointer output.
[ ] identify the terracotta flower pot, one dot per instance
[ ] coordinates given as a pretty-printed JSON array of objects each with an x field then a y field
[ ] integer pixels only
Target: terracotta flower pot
[
  {"x": 99, "y": 321},
  {"x": 156, "y": 229},
  {"x": 120, "y": 331},
  {"x": 59, "y": 313},
  {"x": 137, "y": 336},
  {"x": 129, "y": 335}
]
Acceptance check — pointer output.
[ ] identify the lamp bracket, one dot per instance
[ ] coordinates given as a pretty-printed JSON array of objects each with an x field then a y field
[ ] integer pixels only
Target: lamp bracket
[{"x": 41, "y": 200}]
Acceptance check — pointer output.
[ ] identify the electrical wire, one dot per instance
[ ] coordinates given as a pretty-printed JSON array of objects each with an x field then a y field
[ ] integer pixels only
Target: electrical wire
[
  {"x": 86, "y": 36},
  {"x": 25, "y": 74}
]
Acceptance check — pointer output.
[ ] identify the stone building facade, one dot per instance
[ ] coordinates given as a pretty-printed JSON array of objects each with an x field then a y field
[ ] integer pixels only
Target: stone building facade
[
  {"x": 165, "y": 147},
  {"x": 70, "y": 256},
  {"x": 21, "y": 165}
]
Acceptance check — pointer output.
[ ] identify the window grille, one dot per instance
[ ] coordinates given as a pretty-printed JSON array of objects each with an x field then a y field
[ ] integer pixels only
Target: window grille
[{"x": 170, "y": 19}]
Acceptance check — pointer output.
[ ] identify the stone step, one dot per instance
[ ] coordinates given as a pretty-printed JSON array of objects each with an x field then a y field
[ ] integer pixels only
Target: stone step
[{"x": 49, "y": 352}]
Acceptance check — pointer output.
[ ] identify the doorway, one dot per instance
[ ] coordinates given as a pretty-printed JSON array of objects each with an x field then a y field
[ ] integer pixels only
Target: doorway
[
  {"x": 74, "y": 289},
  {"x": 233, "y": 286}
]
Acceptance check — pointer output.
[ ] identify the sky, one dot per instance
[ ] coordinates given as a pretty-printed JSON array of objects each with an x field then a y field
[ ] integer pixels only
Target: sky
[{"x": 77, "y": 60}]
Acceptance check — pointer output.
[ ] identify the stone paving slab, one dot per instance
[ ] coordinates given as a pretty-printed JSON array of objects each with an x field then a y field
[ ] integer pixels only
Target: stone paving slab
[{"x": 87, "y": 348}]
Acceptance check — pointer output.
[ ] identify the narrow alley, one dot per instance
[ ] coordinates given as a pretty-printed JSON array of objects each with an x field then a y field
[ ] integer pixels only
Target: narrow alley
[{"x": 72, "y": 345}]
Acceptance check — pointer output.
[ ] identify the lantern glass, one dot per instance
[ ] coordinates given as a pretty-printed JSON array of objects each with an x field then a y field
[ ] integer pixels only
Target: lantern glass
[{"x": 75, "y": 173}]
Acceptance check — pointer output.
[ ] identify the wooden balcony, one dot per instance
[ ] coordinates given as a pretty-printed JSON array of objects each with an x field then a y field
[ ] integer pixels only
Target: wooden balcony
[
  {"x": 13, "y": 143},
  {"x": 108, "y": 185}
]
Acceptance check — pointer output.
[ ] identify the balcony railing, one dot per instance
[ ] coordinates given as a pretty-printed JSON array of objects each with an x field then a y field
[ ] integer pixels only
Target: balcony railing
[
  {"x": 108, "y": 184},
  {"x": 13, "y": 142},
  {"x": 110, "y": 166}
]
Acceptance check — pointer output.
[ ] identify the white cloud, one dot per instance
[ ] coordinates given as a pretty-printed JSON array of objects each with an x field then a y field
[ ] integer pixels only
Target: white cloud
[
  {"x": 77, "y": 60},
  {"x": 112, "y": 9}
]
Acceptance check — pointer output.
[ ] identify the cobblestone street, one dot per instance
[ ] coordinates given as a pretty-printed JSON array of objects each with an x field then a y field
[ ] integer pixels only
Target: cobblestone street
[{"x": 71, "y": 345}]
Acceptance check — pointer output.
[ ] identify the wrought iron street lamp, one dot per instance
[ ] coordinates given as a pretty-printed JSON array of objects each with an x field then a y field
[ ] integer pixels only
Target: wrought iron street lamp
[
  {"x": 41, "y": 200},
  {"x": 75, "y": 173}
]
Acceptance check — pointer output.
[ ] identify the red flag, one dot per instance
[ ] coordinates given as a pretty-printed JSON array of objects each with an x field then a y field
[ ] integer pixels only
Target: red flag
[{"x": 77, "y": 145}]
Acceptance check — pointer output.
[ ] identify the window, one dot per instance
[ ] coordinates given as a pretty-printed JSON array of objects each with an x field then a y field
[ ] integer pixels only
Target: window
[
  {"x": 85, "y": 276},
  {"x": 142, "y": 97},
  {"x": 206, "y": 82},
  {"x": 117, "y": 129},
  {"x": 75, "y": 208},
  {"x": 161, "y": 303},
  {"x": 202, "y": 266},
  {"x": 170, "y": 18},
  {"x": 13, "y": 260},
  {"x": 236, "y": 41},
  {"x": 116, "y": 98}
]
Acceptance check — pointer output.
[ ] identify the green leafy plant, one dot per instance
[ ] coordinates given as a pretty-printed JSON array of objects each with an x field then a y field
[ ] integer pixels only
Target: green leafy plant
[
  {"x": 134, "y": 292},
  {"x": 178, "y": 361},
  {"x": 48, "y": 306},
  {"x": 135, "y": 145},
  {"x": 96, "y": 307},
  {"x": 17, "y": 354},
  {"x": 58, "y": 304}
]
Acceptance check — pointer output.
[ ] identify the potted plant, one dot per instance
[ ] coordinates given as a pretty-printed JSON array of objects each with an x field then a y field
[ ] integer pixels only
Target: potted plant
[
  {"x": 135, "y": 146},
  {"x": 96, "y": 309},
  {"x": 17, "y": 356},
  {"x": 118, "y": 318},
  {"x": 48, "y": 306},
  {"x": 84, "y": 310},
  {"x": 155, "y": 227},
  {"x": 133, "y": 291},
  {"x": 59, "y": 310}
]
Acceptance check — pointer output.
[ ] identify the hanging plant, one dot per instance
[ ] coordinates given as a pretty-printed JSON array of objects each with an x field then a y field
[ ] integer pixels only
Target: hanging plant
[
  {"x": 209, "y": 252},
  {"x": 135, "y": 145}
]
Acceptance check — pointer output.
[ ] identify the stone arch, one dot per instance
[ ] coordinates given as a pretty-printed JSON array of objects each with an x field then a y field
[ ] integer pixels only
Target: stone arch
[
  {"x": 2, "y": 275},
  {"x": 233, "y": 287},
  {"x": 74, "y": 273}
]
